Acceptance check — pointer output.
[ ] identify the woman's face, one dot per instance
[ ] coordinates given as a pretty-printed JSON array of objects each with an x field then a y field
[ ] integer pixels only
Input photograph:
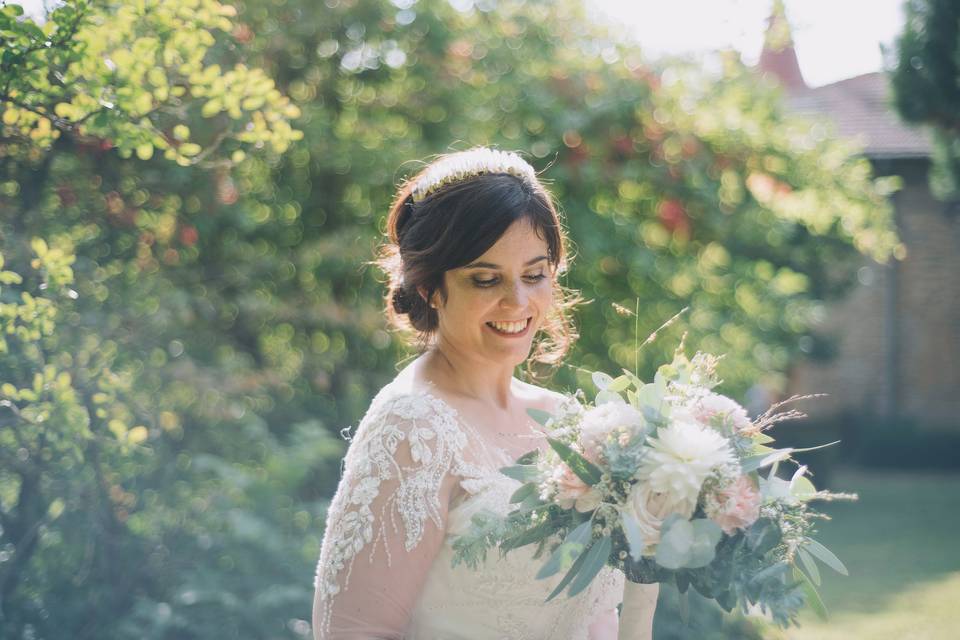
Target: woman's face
[{"x": 496, "y": 304}]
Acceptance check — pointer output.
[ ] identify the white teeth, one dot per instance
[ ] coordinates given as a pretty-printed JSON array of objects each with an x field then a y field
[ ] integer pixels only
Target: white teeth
[{"x": 509, "y": 327}]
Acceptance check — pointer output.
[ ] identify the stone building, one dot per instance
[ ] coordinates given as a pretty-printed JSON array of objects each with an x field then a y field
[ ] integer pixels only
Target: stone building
[{"x": 897, "y": 334}]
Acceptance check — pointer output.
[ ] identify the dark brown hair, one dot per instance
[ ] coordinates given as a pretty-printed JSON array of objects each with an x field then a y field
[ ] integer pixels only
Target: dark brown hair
[{"x": 451, "y": 228}]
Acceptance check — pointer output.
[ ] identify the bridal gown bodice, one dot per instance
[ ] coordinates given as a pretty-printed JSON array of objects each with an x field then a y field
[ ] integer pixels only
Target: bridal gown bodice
[{"x": 385, "y": 567}]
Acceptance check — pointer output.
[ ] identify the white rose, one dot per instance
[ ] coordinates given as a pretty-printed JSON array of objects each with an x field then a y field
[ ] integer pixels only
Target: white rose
[{"x": 650, "y": 508}]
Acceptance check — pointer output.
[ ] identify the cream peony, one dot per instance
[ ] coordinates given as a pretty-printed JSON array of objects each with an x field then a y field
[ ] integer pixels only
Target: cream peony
[
  {"x": 599, "y": 422},
  {"x": 680, "y": 457}
]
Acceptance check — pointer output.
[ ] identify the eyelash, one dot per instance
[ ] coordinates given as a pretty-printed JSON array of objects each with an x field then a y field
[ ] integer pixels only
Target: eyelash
[{"x": 493, "y": 281}]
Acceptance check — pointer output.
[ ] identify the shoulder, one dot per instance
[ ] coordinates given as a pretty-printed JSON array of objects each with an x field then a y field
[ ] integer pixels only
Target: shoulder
[
  {"x": 541, "y": 397},
  {"x": 401, "y": 419}
]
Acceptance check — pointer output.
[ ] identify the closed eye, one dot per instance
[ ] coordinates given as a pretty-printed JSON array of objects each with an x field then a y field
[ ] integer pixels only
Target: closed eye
[{"x": 492, "y": 281}]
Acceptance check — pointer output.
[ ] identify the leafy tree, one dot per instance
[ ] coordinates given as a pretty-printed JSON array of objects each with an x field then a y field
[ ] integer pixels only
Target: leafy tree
[
  {"x": 129, "y": 74},
  {"x": 924, "y": 68},
  {"x": 86, "y": 481},
  {"x": 223, "y": 297}
]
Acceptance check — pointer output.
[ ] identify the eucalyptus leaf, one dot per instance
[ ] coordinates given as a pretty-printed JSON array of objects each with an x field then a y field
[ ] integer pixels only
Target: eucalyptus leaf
[
  {"x": 596, "y": 559},
  {"x": 601, "y": 380},
  {"x": 809, "y": 564},
  {"x": 521, "y": 494},
  {"x": 631, "y": 531},
  {"x": 768, "y": 572},
  {"x": 813, "y": 596},
  {"x": 533, "y": 534},
  {"x": 529, "y": 458},
  {"x": 706, "y": 535},
  {"x": 684, "y": 602},
  {"x": 825, "y": 556},
  {"x": 561, "y": 559},
  {"x": 569, "y": 550},
  {"x": 605, "y": 396},
  {"x": 585, "y": 470},
  {"x": 619, "y": 384},
  {"x": 676, "y": 539},
  {"x": 803, "y": 489},
  {"x": 568, "y": 577},
  {"x": 540, "y": 416},
  {"x": 522, "y": 472}
]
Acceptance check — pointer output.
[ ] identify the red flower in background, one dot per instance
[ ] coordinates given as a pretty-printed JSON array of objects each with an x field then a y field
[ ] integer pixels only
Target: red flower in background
[
  {"x": 188, "y": 235},
  {"x": 673, "y": 216}
]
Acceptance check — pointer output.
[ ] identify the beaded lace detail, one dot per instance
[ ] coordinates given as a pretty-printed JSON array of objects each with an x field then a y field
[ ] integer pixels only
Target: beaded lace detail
[{"x": 414, "y": 440}]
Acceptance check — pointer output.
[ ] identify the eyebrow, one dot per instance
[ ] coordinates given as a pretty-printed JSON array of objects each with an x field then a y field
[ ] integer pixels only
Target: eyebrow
[{"x": 490, "y": 265}]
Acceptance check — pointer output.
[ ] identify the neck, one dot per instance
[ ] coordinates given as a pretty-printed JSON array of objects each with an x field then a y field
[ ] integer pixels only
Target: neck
[{"x": 463, "y": 373}]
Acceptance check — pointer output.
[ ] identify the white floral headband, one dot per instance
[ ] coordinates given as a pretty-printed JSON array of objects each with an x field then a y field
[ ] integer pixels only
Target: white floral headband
[{"x": 473, "y": 162}]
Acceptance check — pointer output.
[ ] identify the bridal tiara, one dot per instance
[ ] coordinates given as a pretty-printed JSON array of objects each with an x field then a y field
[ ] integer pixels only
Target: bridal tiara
[{"x": 473, "y": 162}]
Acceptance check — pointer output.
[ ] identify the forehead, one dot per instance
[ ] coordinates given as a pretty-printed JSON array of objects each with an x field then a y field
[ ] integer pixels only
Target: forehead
[{"x": 519, "y": 243}]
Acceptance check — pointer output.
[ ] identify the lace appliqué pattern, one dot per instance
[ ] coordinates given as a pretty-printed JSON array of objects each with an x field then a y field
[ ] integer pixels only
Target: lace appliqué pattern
[
  {"x": 499, "y": 600},
  {"x": 435, "y": 442}
]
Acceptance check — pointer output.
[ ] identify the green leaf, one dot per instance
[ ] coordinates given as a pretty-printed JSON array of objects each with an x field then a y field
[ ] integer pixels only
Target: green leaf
[
  {"x": 568, "y": 577},
  {"x": 631, "y": 531},
  {"x": 825, "y": 556},
  {"x": 676, "y": 538},
  {"x": 780, "y": 567},
  {"x": 606, "y": 396},
  {"x": 531, "y": 535},
  {"x": 706, "y": 535},
  {"x": 813, "y": 597},
  {"x": 597, "y": 556},
  {"x": 684, "y": 601},
  {"x": 569, "y": 550},
  {"x": 585, "y": 470},
  {"x": 521, "y": 494},
  {"x": 809, "y": 564},
  {"x": 529, "y": 458},
  {"x": 522, "y": 472},
  {"x": 601, "y": 380},
  {"x": 211, "y": 108},
  {"x": 803, "y": 489},
  {"x": 619, "y": 384},
  {"x": 540, "y": 416}
]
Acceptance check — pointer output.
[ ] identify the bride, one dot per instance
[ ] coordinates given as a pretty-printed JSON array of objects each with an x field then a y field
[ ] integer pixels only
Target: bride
[{"x": 475, "y": 247}]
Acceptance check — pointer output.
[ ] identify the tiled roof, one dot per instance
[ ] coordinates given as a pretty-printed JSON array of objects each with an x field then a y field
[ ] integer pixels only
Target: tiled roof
[{"x": 860, "y": 107}]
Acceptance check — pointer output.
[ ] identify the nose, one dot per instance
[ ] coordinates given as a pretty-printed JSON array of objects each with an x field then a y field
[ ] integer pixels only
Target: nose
[{"x": 514, "y": 296}]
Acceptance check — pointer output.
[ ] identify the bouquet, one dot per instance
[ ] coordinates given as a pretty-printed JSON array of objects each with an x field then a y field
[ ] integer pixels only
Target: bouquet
[{"x": 668, "y": 481}]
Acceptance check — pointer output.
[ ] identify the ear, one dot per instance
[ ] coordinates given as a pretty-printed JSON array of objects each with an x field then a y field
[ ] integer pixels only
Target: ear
[{"x": 423, "y": 294}]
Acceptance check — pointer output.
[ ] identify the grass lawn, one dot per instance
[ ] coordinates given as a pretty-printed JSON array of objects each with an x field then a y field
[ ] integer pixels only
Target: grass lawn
[{"x": 900, "y": 543}]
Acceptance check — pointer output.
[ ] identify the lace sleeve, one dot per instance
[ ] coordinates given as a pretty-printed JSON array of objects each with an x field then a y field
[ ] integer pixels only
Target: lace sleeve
[{"x": 387, "y": 520}]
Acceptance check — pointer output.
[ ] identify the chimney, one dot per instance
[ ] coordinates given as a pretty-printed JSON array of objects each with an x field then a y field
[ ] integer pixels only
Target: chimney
[{"x": 778, "y": 57}]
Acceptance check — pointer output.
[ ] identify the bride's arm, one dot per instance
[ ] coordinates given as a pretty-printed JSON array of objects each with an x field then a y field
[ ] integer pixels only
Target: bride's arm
[
  {"x": 385, "y": 526},
  {"x": 604, "y": 626},
  {"x": 636, "y": 615}
]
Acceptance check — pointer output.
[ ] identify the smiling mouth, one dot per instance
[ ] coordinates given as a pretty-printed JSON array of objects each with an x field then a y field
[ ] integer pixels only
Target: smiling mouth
[{"x": 511, "y": 329}]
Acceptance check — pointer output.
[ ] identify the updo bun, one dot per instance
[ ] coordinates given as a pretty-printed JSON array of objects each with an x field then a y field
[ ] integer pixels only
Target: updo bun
[
  {"x": 401, "y": 300},
  {"x": 453, "y": 226}
]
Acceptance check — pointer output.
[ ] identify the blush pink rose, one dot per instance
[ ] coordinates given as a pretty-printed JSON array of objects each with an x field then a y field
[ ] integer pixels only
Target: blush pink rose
[
  {"x": 736, "y": 506},
  {"x": 572, "y": 491},
  {"x": 714, "y": 404}
]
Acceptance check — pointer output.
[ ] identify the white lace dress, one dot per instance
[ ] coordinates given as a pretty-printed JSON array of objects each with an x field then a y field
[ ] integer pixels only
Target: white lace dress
[{"x": 414, "y": 474}]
